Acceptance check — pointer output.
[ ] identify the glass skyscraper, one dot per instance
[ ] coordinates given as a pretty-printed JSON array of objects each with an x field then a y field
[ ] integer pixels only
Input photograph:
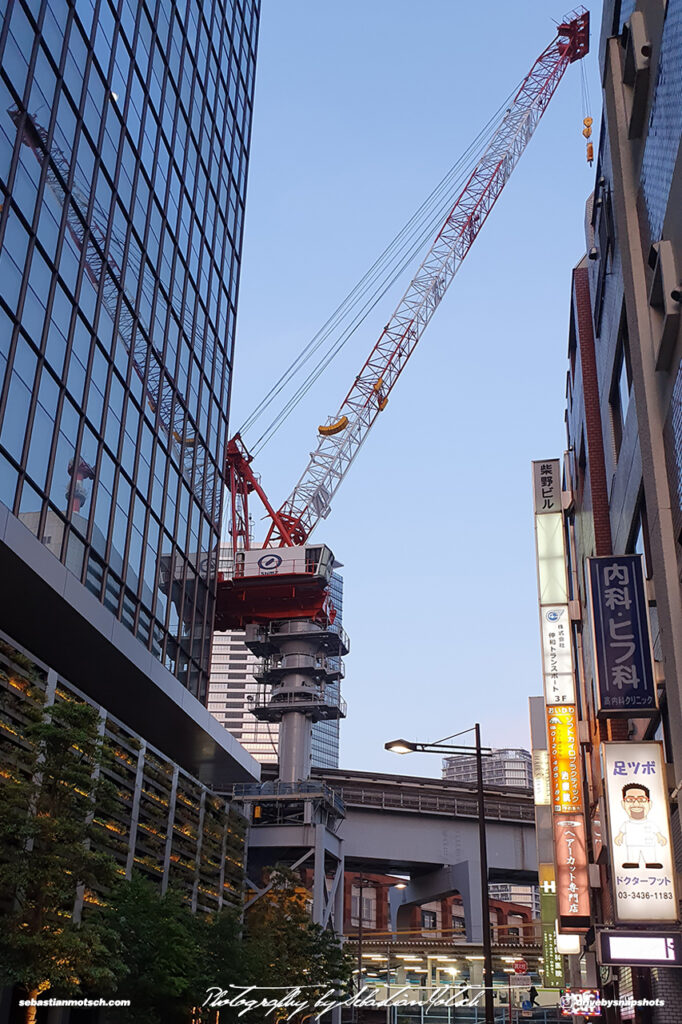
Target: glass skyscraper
[{"x": 124, "y": 130}]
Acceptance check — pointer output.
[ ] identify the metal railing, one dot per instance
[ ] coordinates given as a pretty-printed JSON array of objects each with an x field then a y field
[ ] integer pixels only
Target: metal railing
[
  {"x": 298, "y": 700},
  {"x": 389, "y": 798},
  {"x": 332, "y": 666},
  {"x": 255, "y": 790}
]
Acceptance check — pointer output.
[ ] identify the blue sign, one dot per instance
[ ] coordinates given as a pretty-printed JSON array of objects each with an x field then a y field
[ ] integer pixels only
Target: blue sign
[
  {"x": 269, "y": 562},
  {"x": 622, "y": 645}
]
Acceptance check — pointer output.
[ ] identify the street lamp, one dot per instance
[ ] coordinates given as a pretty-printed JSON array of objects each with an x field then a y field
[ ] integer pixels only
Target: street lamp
[{"x": 439, "y": 747}]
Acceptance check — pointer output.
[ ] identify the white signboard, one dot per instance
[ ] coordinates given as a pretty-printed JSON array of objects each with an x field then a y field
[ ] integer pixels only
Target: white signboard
[
  {"x": 642, "y": 869},
  {"x": 557, "y": 660},
  {"x": 541, "y": 785},
  {"x": 547, "y": 486}
]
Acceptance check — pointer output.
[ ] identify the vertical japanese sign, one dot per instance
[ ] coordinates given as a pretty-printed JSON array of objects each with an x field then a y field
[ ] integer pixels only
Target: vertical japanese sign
[
  {"x": 643, "y": 872},
  {"x": 557, "y": 655},
  {"x": 555, "y": 624},
  {"x": 571, "y": 872},
  {"x": 564, "y": 758},
  {"x": 541, "y": 778},
  {"x": 547, "y": 486},
  {"x": 622, "y": 643},
  {"x": 553, "y": 961}
]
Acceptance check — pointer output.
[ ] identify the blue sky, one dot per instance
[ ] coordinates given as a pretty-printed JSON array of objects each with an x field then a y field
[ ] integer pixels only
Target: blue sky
[{"x": 361, "y": 107}]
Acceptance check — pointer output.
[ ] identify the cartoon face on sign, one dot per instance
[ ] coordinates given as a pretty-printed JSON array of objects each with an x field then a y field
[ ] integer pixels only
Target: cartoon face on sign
[{"x": 640, "y": 835}]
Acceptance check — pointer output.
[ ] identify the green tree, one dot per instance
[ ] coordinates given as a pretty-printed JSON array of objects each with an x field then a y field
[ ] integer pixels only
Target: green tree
[
  {"x": 50, "y": 783},
  {"x": 163, "y": 951},
  {"x": 283, "y": 947}
]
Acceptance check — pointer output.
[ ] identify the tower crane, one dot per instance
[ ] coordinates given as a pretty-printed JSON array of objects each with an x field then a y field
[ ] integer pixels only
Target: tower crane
[{"x": 279, "y": 593}]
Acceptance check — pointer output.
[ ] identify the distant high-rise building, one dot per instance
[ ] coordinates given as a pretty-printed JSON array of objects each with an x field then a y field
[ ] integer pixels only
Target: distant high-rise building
[
  {"x": 234, "y": 687},
  {"x": 124, "y": 133},
  {"x": 525, "y": 895},
  {"x": 506, "y": 767}
]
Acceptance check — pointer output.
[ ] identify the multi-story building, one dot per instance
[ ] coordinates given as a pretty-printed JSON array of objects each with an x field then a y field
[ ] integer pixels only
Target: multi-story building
[
  {"x": 505, "y": 767},
  {"x": 234, "y": 687},
  {"x": 624, "y": 463},
  {"x": 124, "y": 132},
  {"x": 159, "y": 820}
]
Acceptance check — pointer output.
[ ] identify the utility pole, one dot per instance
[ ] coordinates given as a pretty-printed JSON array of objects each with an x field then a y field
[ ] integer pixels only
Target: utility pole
[{"x": 485, "y": 899}]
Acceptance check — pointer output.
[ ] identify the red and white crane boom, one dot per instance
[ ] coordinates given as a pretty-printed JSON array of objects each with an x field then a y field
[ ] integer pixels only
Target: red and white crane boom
[{"x": 341, "y": 439}]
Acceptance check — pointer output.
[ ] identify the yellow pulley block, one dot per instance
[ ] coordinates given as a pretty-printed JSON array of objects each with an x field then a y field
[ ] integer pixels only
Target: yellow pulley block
[
  {"x": 379, "y": 384},
  {"x": 334, "y": 428},
  {"x": 382, "y": 404},
  {"x": 588, "y": 122}
]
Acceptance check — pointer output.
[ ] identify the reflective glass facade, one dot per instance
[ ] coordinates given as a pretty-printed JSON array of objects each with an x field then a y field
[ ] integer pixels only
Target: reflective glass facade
[
  {"x": 665, "y": 123},
  {"x": 325, "y": 745},
  {"x": 124, "y": 129}
]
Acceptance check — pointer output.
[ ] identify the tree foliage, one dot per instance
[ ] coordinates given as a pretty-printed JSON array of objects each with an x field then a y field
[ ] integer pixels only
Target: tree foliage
[
  {"x": 132, "y": 942},
  {"x": 50, "y": 781},
  {"x": 284, "y": 947}
]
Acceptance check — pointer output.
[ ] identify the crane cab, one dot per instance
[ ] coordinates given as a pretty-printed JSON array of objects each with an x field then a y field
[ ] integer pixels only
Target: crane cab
[
  {"x": 313, "y": 560},
  {"x": 266, "y": 584}
]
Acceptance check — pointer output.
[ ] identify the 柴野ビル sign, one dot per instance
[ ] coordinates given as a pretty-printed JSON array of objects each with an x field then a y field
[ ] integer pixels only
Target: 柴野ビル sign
[{"x": 547, "y": 486}]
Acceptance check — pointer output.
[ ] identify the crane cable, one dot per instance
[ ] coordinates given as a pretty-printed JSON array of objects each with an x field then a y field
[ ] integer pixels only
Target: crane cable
[
  {"x": 587, "y": 106},
  {"x": 380, "y": 277}
]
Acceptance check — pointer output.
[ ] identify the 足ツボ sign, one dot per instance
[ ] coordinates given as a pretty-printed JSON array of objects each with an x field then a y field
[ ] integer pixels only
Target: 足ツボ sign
[
  {"x": 622, "y": 644},
  {"x": 642, "y": 867}
]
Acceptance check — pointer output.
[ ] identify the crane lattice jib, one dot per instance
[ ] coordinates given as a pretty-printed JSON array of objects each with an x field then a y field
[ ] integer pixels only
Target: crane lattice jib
[{"x": 335, "y": 452}]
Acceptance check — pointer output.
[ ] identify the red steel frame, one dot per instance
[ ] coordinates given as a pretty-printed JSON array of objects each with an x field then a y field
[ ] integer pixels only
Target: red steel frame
[{"x": 310, "y": 500}]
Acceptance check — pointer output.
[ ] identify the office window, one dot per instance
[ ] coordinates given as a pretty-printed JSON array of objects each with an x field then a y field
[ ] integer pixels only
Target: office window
[{"x": 621, "y": 388}]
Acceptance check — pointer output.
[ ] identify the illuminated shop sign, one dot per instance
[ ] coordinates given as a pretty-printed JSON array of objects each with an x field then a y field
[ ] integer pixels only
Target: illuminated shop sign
[
  {"x": 570, "y": 851},
  {"x": 557, "y": 659},
  {"x": 642, "y": 869},
  {"x": 622, "y": 644},
  {"x": 662, "y": 949},
  {"x": 564, "y": 758},
  {"x": 581, "y": 1000},
  {"x": 552, "y": 960}
]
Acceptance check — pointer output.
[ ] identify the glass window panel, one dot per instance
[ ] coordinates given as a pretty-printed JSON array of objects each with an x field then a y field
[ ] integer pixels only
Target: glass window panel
[
  {"x": 75, "y": 554},
  {"x": 112, "y": 593},
  {"x": 14, "y": 423},
  {"x": 30, "y": 506},
  {"x": 8, "y": 481},
  {"x": 39, "y": 449},
  {"x": 94, "y": 577},
  {"x": 25, "y": 362},
  {"x": 61, "y": 479}
]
